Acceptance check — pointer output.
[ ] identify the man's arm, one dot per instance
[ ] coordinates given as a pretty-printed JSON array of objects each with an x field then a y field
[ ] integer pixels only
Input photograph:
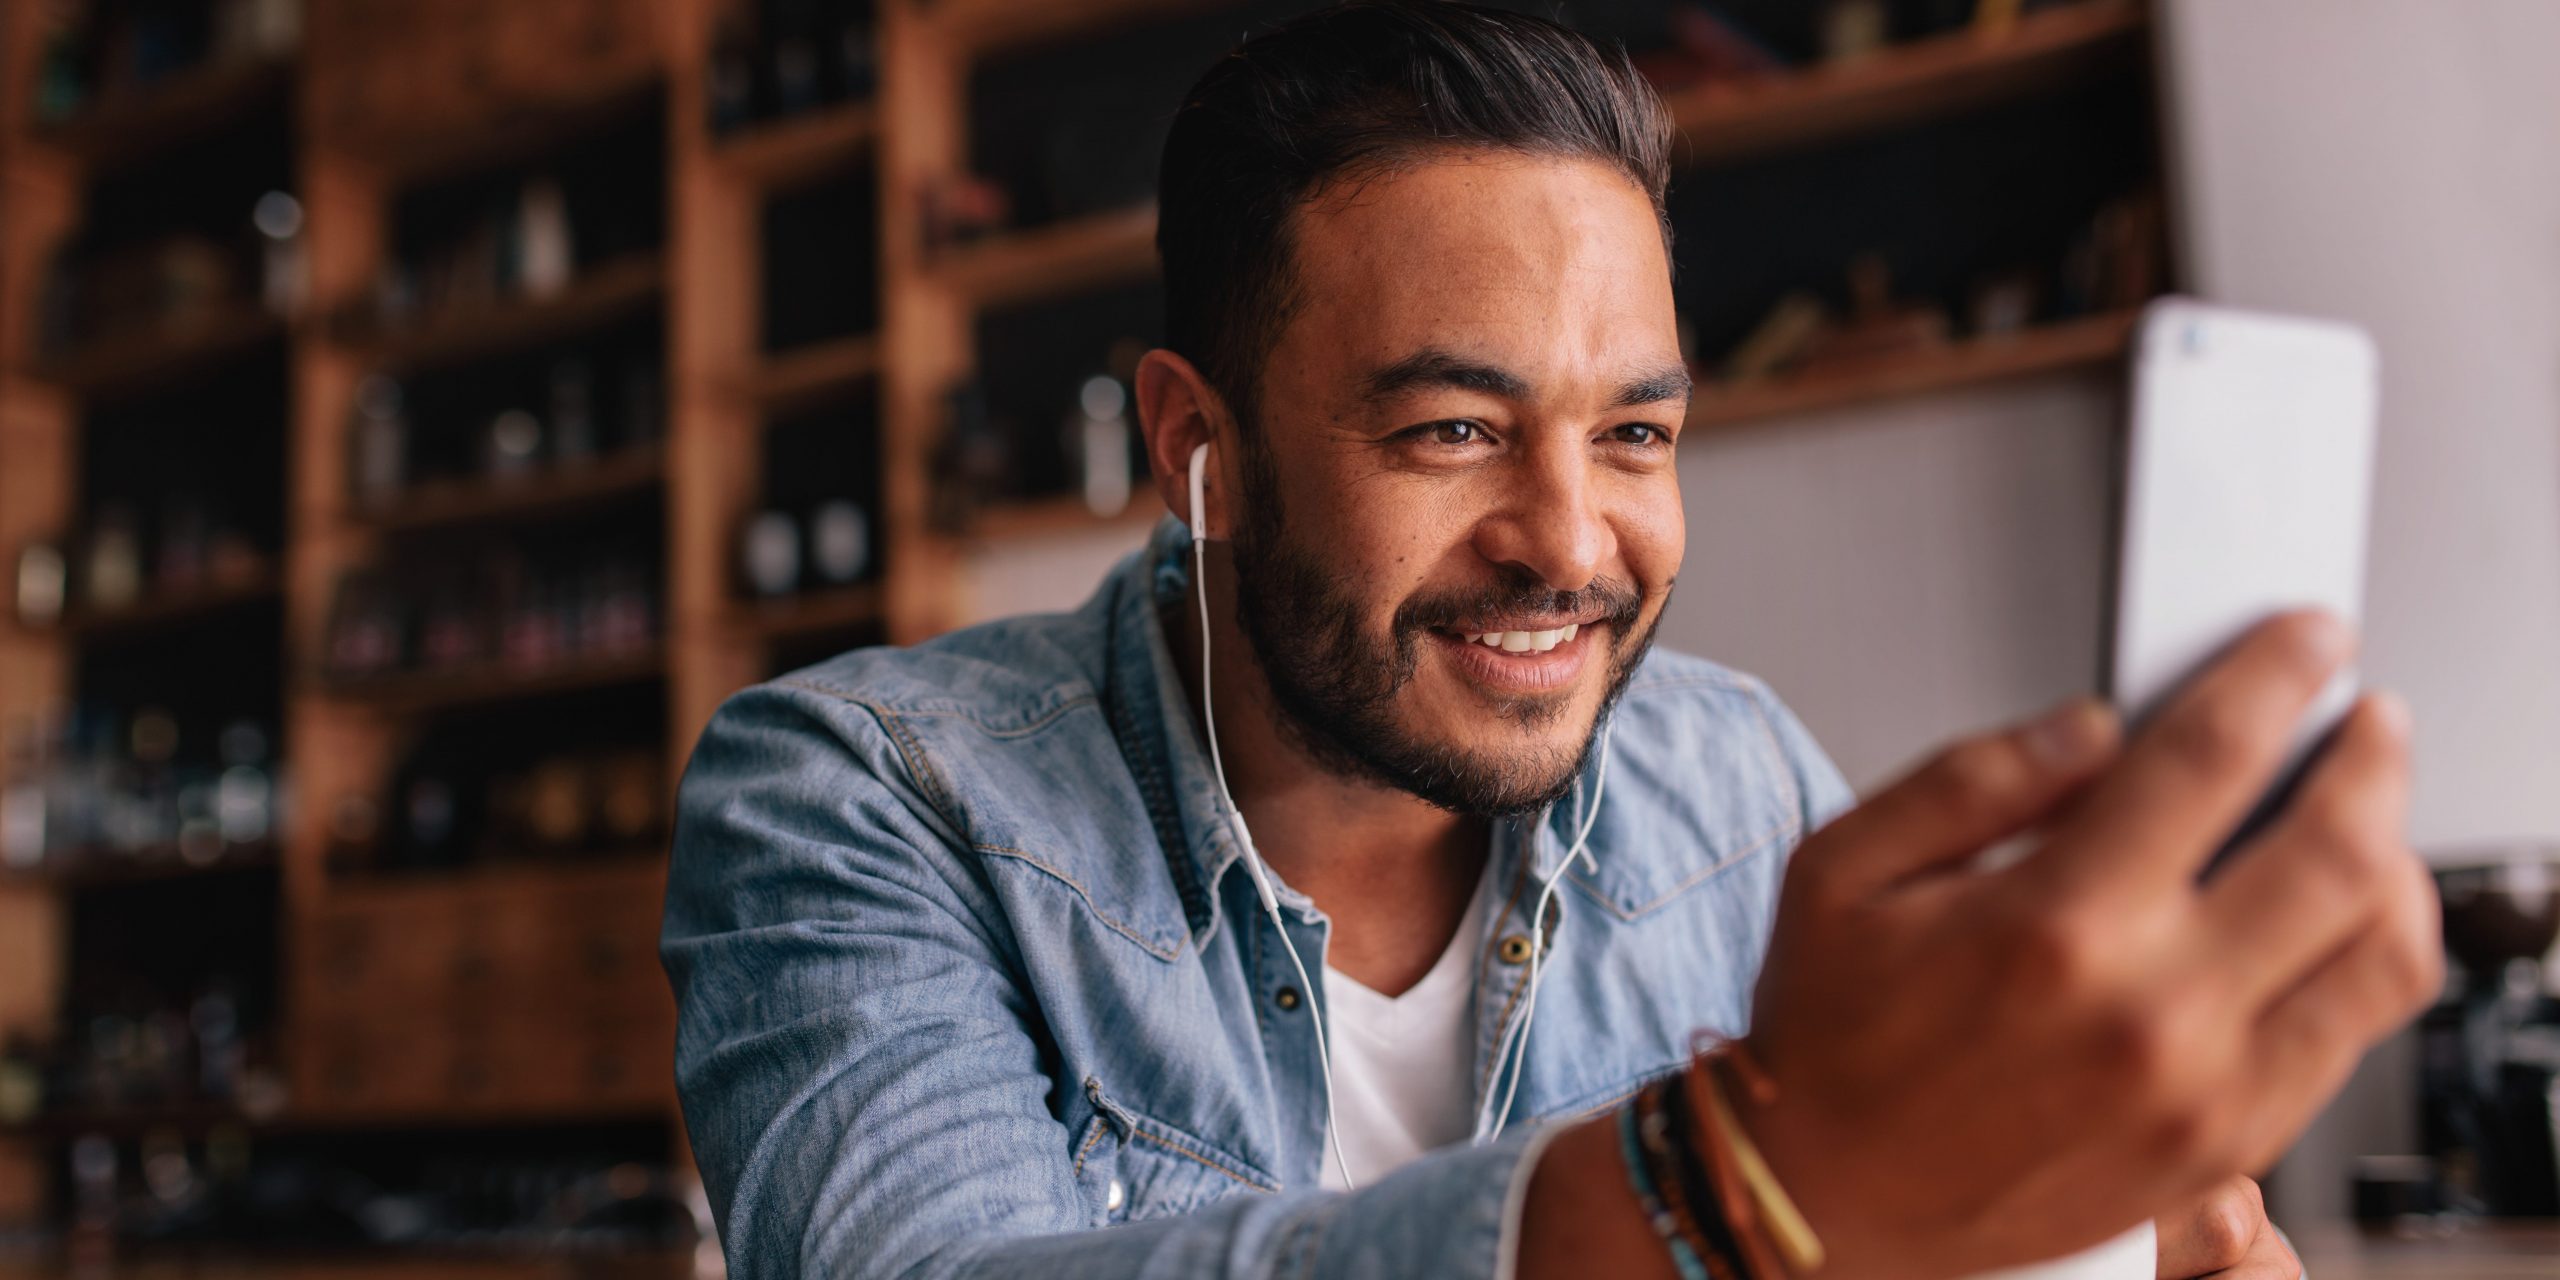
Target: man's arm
[{"x": 861, "y": 1078}]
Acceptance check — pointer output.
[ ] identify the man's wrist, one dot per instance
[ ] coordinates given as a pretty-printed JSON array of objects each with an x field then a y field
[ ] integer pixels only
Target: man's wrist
[{"x": 1812, "y": 1166}]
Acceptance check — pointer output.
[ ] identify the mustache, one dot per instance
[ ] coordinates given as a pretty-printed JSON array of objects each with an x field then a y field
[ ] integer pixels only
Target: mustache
[{"x": 1617, "y": 602}]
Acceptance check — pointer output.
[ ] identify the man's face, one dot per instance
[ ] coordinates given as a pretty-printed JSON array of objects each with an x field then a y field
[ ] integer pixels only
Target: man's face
[{"x": 1462, "y": 515}]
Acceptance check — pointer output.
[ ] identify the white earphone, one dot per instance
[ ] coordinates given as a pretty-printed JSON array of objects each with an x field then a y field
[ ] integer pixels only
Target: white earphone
[
  {"x": 1235, "y": 817},
  {"x": 1515, "y": 1043}
]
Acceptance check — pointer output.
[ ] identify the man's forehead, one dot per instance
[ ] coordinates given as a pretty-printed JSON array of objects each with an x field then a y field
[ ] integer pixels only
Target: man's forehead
[{"x": 1458, "y": 270}]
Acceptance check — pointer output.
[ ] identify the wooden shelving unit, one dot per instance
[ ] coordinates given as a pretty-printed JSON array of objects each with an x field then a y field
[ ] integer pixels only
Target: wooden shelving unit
[
  {"x": 95, "y": 870},
  {"x": 551, "y": 492},
  {"x": 811, "y": 373},
  {"x": 410, "y": 694},
  {"x": 721, "y": 390},
  {"x": 2075, "y": 344},
  {"x": 794, "y": 151},
  {"x": 263, "y": 587},
  {"x": 188, "y": 105},
  {"x": 613, "y": 291},
  {"x": 1910, "y": 85},
  {"x": 1028, "y": 520},
  {"x": 838, "y": 609},
  {"x": 1046, "y": 261},
  {"x": 141, "y": 360}
]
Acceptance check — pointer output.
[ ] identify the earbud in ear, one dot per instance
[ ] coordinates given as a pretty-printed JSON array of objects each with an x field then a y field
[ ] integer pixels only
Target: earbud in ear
[{"x": 1199, "y": 487}]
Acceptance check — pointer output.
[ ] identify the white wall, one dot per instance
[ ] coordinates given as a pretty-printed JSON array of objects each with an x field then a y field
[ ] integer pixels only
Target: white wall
[
  {"x": 1905, "y": 572},
  {"x": 2397, "y": 163}
]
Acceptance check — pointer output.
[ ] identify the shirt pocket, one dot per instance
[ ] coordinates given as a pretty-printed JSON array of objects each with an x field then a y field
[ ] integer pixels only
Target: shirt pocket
[{"x": 1132, "y": 1167}]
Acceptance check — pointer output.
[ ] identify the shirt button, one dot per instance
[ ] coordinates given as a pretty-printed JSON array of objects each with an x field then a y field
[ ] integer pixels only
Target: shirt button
[
  {"x": 1286, "y": 998},
  {"x": 1115, "y": 1197},
  {"x": 1515, "y": 949}
]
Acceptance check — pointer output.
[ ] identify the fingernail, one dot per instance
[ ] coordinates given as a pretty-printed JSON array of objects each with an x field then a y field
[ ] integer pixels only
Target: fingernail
[
  {"x": 2393, "y": 710},
  {"x": 2069, "y": 736},
  {"x": 2325, "y": 634}
]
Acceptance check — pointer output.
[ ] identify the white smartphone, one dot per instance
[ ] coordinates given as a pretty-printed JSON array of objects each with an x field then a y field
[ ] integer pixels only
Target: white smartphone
[{"x": 2246, "y": 482}]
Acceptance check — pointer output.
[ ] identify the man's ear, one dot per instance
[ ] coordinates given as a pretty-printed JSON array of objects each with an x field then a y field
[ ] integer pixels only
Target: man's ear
[{"x": 1179, "y": 411}]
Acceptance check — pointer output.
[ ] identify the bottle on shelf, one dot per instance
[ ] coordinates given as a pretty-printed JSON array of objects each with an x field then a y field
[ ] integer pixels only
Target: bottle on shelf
[
  {"x": 112, "y": 576},
  {"x": 769, "y": 554},
  {"x": 284, "y": 258},
  {"x": 23, "y": 798},
  {"x": 245, "y": 793},
  {"x": 1097, "y": 437},
  {"x": 839, "y": 542},
  {"x": 43, "y": 584},
  {"x": 379, "y": 456},
  {"x": 573, "y": 418}
]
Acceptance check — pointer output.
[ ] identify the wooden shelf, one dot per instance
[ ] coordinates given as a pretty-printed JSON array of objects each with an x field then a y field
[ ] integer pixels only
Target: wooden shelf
[
  {"x": 103, "y": 869},
  {"x": 976, "y": 28},
  {"x": 642, "y": 868},
  {"x": 1021, "y": 266},
  {"x": 491, "y": 684},
  {"x": 191, "y": 1118},
  {"x": 810, "y": 374},
  {"x": 557, "y": 490},
  {"x": 435, "y": 151},
  {"x": 139, "y": 360},
  {"x": 2090, "y": 342},
  {"x": 1909, "y": 84},
  {"x": 780, "y": 154},
  {"x": 605, "y": 293},
  {"x": 171, "y": 609},
  {"x": 1049, "y": 517},
  {"x": 185, "y": 106},
  {"x": 846, "y": 608}
]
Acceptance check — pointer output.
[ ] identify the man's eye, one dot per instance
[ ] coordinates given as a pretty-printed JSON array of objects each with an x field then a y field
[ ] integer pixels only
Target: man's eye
[
  {"x": 1643, "y": 433},
  {"x": 1453, "y": 432}
]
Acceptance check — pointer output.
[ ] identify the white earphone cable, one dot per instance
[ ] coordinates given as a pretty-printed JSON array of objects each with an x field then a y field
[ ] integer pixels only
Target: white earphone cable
[
  {"x": 1235, "y": 816},
  {"x": 1515, "y": 1041}
]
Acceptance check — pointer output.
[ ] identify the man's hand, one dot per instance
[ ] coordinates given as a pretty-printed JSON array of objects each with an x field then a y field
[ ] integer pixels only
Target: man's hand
[
  {"x": 2226, "y": 1236},
  {"x": 1979, "y": 1068}
]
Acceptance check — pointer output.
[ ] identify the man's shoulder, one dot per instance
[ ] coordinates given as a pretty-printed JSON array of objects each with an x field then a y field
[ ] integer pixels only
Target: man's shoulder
[
  {"x": 1719, "y": 720},
  {"x": 1001, "y": 676},
  {"x": 1682, "y": 692}
]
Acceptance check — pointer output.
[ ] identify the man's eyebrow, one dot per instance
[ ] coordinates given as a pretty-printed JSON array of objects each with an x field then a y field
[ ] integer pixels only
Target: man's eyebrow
[
  {"x": 1434, "y": 367},
  {"x": 1671, "y": 382}
]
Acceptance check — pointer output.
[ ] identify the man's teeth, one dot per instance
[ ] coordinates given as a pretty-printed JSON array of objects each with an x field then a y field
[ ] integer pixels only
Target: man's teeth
[{"x": 1523, "y": 641}]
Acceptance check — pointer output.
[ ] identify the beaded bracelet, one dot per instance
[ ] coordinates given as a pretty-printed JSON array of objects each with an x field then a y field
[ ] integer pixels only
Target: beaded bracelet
[
  {"x": 1724, "y": 1174},
  {"x": 1649, "y": 1199},
  {"x": 1670, "y": 1150},
  {"x": 1682, "y": 1164}
]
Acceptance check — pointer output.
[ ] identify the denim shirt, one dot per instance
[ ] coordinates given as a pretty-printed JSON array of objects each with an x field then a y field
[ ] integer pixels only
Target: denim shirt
[{"x": 971, "y": 983}]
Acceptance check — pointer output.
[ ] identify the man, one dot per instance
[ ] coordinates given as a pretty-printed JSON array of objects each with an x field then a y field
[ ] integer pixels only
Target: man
[{"x": 981, "y": 975}]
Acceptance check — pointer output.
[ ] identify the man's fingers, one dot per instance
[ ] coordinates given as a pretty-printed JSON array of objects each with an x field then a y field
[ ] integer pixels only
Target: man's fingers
[
  {"x": 2294, "y": 894},
  {"x": 1964, "y": 799},
  {"x": 2193, "y": 772},
  {"x": 2305, "y": 1044},
  {"x": 2213, "y": 1234}
]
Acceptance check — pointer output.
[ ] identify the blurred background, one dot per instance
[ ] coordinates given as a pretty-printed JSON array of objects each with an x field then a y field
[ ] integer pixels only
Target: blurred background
[{"x": 416, "y": 415}]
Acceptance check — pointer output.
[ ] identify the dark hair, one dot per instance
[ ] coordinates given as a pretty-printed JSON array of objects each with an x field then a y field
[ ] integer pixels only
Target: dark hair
[{"x": 1353, "y": 92}]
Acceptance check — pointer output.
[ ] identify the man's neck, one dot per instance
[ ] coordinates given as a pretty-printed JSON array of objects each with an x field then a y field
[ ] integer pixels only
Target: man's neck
[{"x": 1393, "y": 872}]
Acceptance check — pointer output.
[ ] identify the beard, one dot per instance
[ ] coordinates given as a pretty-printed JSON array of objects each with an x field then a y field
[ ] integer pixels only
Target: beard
[{"x": 1337, "y": 685}]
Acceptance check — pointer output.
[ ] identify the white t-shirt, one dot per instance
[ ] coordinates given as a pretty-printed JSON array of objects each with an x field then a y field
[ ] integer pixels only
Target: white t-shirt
[{"x": 1401, "y": 1064}]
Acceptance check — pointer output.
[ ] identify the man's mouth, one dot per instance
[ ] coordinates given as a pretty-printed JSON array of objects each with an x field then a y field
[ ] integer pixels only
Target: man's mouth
[
  {"x": 1517, "y": 656},
  {"x": 1522, "y": 641}
]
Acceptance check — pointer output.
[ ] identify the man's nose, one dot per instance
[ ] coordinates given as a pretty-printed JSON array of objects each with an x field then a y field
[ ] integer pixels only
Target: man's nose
[{"x": 1550, "y": 520}]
